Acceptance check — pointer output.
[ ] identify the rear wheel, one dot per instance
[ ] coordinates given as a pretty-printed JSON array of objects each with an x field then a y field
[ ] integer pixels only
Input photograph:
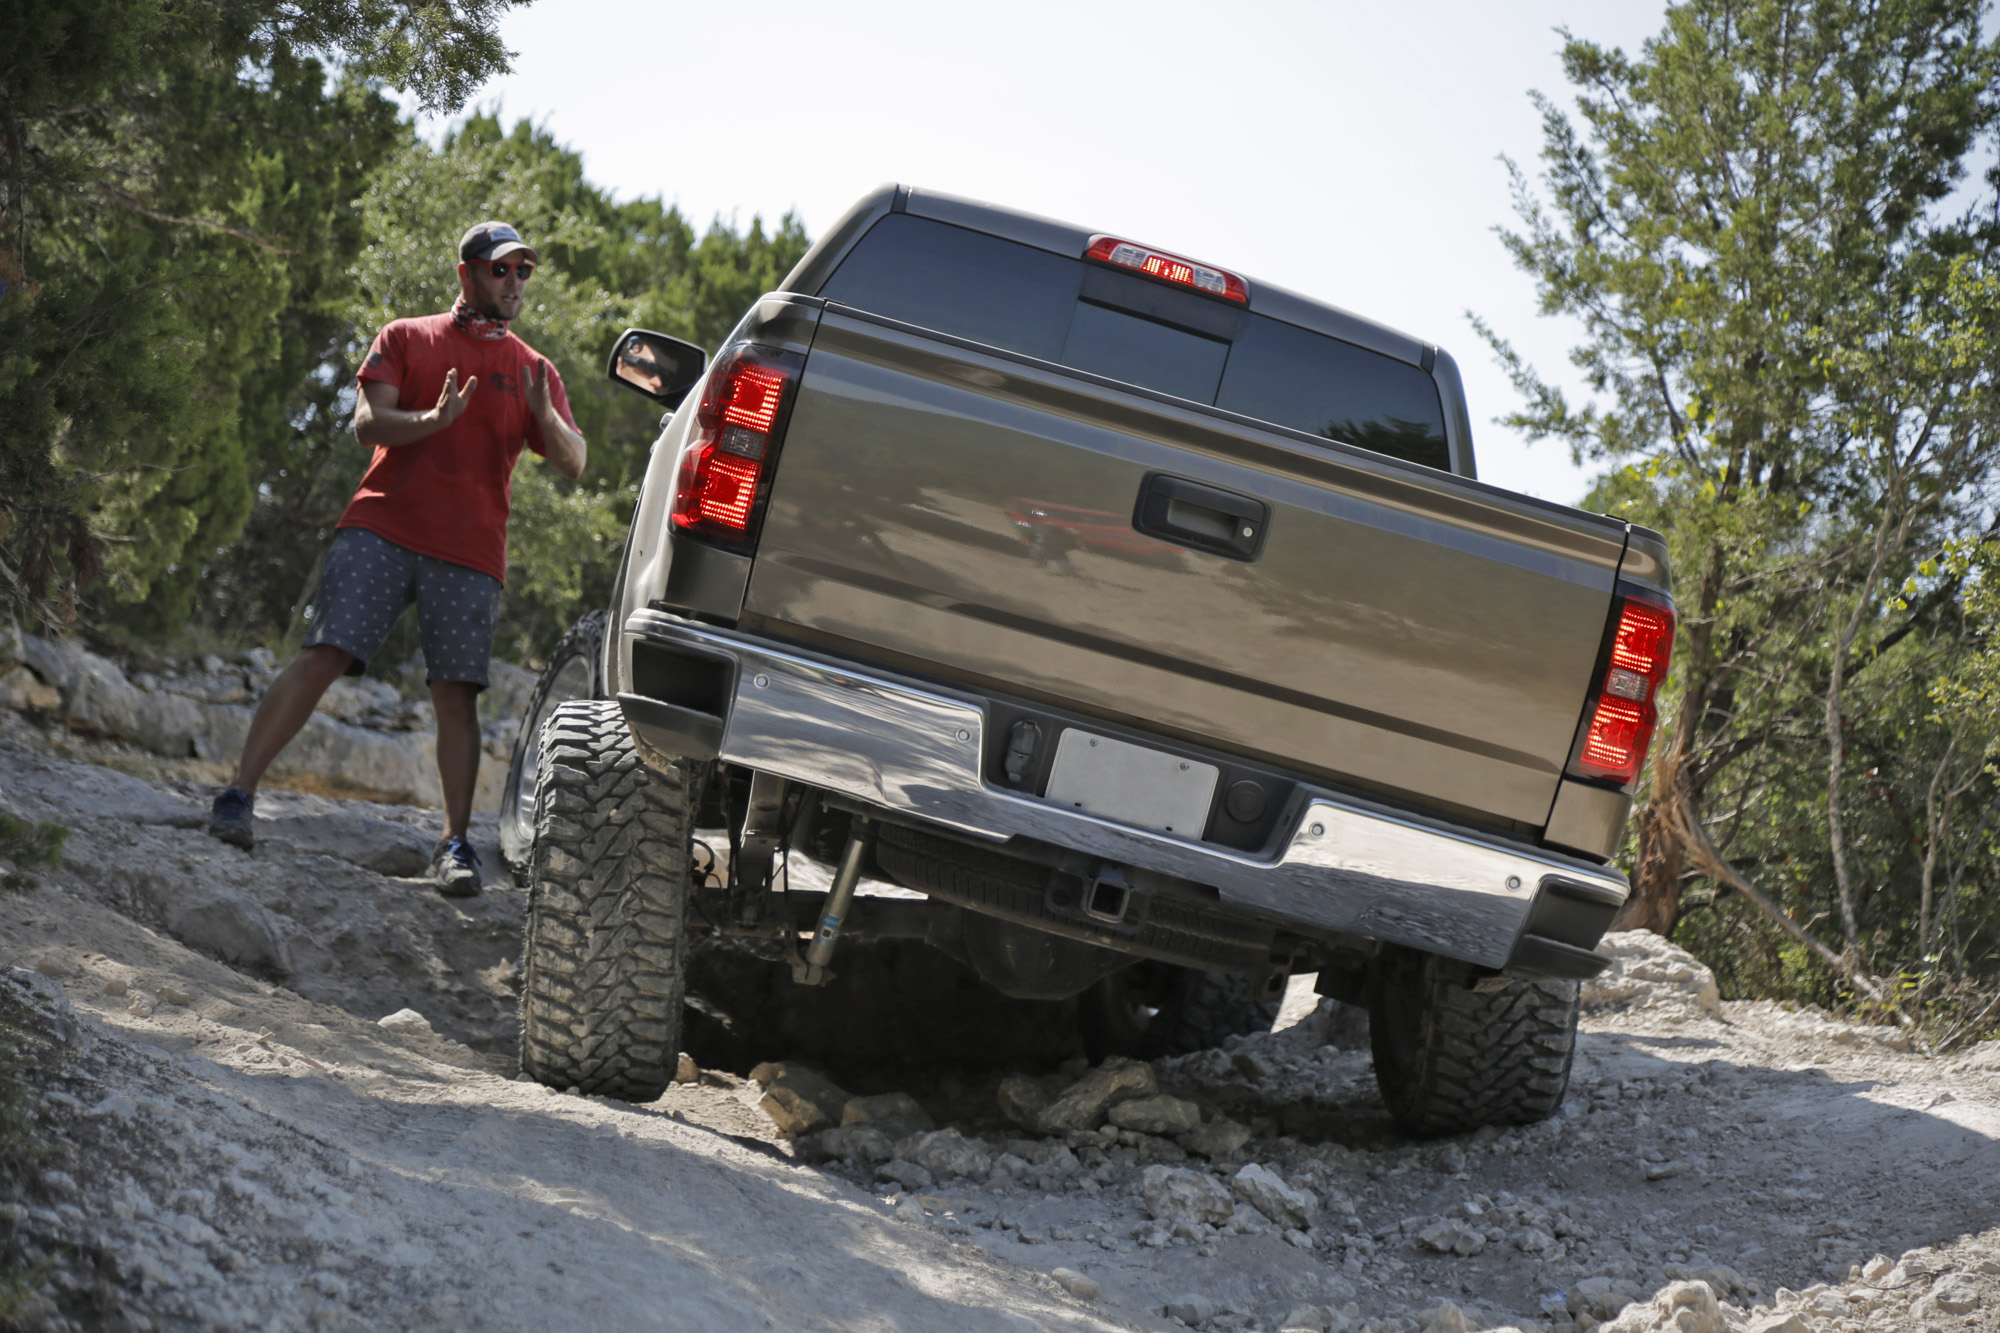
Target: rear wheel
[
  {"x": 573, "y": 672},
  {"x": 604, "y": 971},
  {"x": 1152, "y": 1010},
  {"x": 1453, "y": 1054}
]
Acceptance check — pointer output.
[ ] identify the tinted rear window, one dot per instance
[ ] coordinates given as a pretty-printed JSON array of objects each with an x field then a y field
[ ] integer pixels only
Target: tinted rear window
[{"x": 1040, "y": 304}]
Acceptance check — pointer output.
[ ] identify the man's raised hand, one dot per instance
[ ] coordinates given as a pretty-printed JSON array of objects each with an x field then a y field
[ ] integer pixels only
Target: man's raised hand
[
  {"x": 451, "y": 399},
  {"x": 539, "y": 400}
]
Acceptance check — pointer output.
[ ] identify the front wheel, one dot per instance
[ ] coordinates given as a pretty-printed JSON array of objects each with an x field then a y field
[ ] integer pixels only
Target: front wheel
[
  {"x": 1454, "y": 1053},
  {"x": 604, "y": 971},
  {"x": 573, "y": 672}
]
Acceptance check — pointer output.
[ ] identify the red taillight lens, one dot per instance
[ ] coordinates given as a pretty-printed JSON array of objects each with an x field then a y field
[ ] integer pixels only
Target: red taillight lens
[
  {"x": 1625, "y": 712},
  {"x": 726, "y": 461},
  {"x": 1169, "y": 268}
]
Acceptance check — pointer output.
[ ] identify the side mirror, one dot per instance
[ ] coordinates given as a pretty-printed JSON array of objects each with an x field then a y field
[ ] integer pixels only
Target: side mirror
[{"x": 662, "y": 368}]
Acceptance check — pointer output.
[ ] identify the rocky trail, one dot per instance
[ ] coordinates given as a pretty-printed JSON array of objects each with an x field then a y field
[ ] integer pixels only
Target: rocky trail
[{"x": 283, "y": 1096}]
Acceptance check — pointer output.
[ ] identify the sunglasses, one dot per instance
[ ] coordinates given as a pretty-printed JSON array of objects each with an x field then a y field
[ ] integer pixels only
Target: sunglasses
[{"x": 523, "y": 270}]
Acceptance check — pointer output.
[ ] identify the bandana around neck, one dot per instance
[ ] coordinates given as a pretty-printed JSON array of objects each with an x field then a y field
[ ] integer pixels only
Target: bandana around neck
[{"x": 475, "y": 324}]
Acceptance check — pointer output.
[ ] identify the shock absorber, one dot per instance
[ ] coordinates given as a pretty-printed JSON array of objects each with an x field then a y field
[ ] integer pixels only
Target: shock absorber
[{"x": 812, "y": 970}]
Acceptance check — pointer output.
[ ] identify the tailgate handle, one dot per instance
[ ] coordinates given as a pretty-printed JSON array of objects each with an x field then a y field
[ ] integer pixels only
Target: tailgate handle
[{"x": 1207, "y": 518}]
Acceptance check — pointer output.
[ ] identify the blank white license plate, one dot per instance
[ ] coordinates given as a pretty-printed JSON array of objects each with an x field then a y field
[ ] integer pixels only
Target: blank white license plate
[{"x": 1115, "y": 779}]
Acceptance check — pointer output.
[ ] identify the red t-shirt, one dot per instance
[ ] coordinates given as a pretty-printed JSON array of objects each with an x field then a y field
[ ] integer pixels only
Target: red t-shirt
[{"x": 448, "y": 494}]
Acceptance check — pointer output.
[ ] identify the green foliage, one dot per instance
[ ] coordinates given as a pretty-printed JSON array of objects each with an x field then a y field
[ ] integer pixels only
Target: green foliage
[
  {"x": 1791, "y": 352},
  {"x": 29, "y": 846},
  {"x": 605, "y": 266},
  {"x": 176, "y": 187}
]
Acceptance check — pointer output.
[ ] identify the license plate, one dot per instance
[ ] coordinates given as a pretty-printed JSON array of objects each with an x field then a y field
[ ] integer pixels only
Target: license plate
[{"x": 1114, "y": 779}]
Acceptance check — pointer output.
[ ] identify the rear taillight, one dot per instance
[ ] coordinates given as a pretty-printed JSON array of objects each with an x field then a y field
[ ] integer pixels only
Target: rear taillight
[
  {"x": 1626, "y": 707},
  {"x": 726, "y": 465},
  {"x": 1169, "y": 268}
]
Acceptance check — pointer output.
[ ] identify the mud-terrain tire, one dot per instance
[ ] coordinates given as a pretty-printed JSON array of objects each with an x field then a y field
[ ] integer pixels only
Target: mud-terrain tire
[
  {"x": 575, "y": 671},
  {"x": 1451, "y": 1058},
  {"x": 604, "y": 971},
  {"x": 1153, "y": 1010}
]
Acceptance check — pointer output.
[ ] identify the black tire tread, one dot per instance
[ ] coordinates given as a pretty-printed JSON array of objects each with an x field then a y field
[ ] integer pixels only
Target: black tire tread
[
  {"x": 1471, "y": 1058},
  {"x": 585, "y": 639},
  {"x": 604, "y": 972}
]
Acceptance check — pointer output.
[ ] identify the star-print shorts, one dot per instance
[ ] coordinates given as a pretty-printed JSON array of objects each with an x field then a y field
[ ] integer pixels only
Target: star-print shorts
[{"x": 367, "y": 582}]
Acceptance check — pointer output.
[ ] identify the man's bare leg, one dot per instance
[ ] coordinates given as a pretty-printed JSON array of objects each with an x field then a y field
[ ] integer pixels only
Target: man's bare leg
[
  {"x": 457, "y": 705},
  {"x": 286, "y": 707}
]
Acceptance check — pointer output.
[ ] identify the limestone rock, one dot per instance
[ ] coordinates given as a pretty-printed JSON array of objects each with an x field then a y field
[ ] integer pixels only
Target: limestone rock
[
  {"x": 905, "y": 1173},
  {"x": 1023, "y": 1099},
  {"x": 1647, "y": 970},
  {"x": 1077, "y": 1285},
  {"x": 1681, "y": 1307},
  {"x": 896, "y": 1114},
  {"x": 1266, "y": 1191},
  {"x": 406, "y": 1021},
  {"x": 1445, "y": 1318},
  {"x": 862, "y": 1144},
  {"x": 799, "y": 1099},
  {"x": 1176, "y": 1194},
  {"x": 947, "y": 1153},
  {"x": 1218, "y": 1139},
  {"x": 1191, "y": 1309},
  {"x": 1086, "y": 1101},
  {"x": 232, "y": 928},
  {"x": 380, "y": 845},
  {"x": 1158, "y": 1114},
  {"x": 1788, "y": 1322},
  {"x": 21, "y": 689}
]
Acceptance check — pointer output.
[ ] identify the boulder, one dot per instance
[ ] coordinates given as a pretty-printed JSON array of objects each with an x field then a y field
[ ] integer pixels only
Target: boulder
[
  {"x": 896, "y": 1114},
  {"x": 21, "y": 689},
  {"x": 1680, "y": 1307},
  {"x": 864, "y": 1144},
  {"x": 799, "y": 1099},
  {"x": 1158, "y": 1114},
  {"x": 1218, "y": 1139},
  {"x": 406, "y": 1021},
  {"x": 1647, "y": 970},
  {"x": 905, "y": 1173},
  {"x": 947, "y": 1152},
  {"x": 1176, "y": 1194},
  {"x": 1084, "y": 1103},
  {"x": 1077, "y": 1285},
  {"x": 1266, "y": 1191},
  {"x": 380, "y": 845},
  {"x": 1023, "y": 1099},
  {"x": 234, "y": 929}
]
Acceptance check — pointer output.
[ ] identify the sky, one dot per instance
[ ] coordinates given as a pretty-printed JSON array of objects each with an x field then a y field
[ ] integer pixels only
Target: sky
[{"x": 1348, "y": 151}]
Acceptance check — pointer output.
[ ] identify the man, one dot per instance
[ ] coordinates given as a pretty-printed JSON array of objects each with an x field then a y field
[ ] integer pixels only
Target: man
[{"x": 447, "y": 401}]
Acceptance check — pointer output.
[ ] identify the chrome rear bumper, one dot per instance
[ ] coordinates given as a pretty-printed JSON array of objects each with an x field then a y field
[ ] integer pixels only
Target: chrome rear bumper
[{"x": 1346, "y": 866}]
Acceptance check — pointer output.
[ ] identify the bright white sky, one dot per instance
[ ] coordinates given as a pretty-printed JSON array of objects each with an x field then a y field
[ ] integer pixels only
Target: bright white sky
[{"x": 1345, "y": 150}]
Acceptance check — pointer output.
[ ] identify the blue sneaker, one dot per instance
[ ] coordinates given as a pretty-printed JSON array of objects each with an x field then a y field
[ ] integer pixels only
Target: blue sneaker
[
  {"x": 233, "y": 818},
  {"x": 455, "y": 868}
]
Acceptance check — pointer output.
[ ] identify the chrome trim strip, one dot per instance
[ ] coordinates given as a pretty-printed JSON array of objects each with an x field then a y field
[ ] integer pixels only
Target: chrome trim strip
[{"x": 1347, "y": 866}]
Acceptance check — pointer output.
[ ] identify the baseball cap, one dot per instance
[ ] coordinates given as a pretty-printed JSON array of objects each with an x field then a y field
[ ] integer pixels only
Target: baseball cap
[{"x": 493, "y": 240}]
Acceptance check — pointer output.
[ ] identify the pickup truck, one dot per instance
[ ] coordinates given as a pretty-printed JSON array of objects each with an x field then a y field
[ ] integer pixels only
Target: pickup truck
[{"x": 1136, "y": 614}]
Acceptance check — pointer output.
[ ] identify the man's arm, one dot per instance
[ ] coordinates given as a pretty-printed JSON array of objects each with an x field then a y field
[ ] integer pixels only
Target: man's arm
[
  {"x": 562, "y": 443},
  {"x": 379, "y": 419}
]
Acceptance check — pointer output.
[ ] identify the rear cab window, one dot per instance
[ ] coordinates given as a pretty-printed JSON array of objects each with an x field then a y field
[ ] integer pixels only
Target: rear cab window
[{"x": 1056, "y": 308}]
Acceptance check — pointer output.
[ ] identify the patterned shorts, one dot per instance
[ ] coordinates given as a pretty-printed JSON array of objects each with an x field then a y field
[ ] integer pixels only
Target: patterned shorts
[{"x": 367, "y": 582}]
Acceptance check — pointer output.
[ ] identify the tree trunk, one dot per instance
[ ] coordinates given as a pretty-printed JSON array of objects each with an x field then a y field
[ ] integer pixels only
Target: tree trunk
[{"x": 1655, "y": 903}]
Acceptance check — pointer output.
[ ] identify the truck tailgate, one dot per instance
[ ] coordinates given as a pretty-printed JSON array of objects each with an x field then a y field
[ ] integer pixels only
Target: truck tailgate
[{"x": 1400, "y": 629}]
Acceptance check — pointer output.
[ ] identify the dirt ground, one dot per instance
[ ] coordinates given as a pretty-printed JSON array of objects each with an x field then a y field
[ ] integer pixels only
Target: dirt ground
[{"x": 241, "y": 1143}]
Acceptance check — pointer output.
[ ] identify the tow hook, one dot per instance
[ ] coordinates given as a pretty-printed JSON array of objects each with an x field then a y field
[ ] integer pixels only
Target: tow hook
[{"x": 812, "y": 969}]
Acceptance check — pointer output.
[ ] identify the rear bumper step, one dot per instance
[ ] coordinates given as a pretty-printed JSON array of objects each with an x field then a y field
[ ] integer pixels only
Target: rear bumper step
[{"x": 1345, "y": 866}]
